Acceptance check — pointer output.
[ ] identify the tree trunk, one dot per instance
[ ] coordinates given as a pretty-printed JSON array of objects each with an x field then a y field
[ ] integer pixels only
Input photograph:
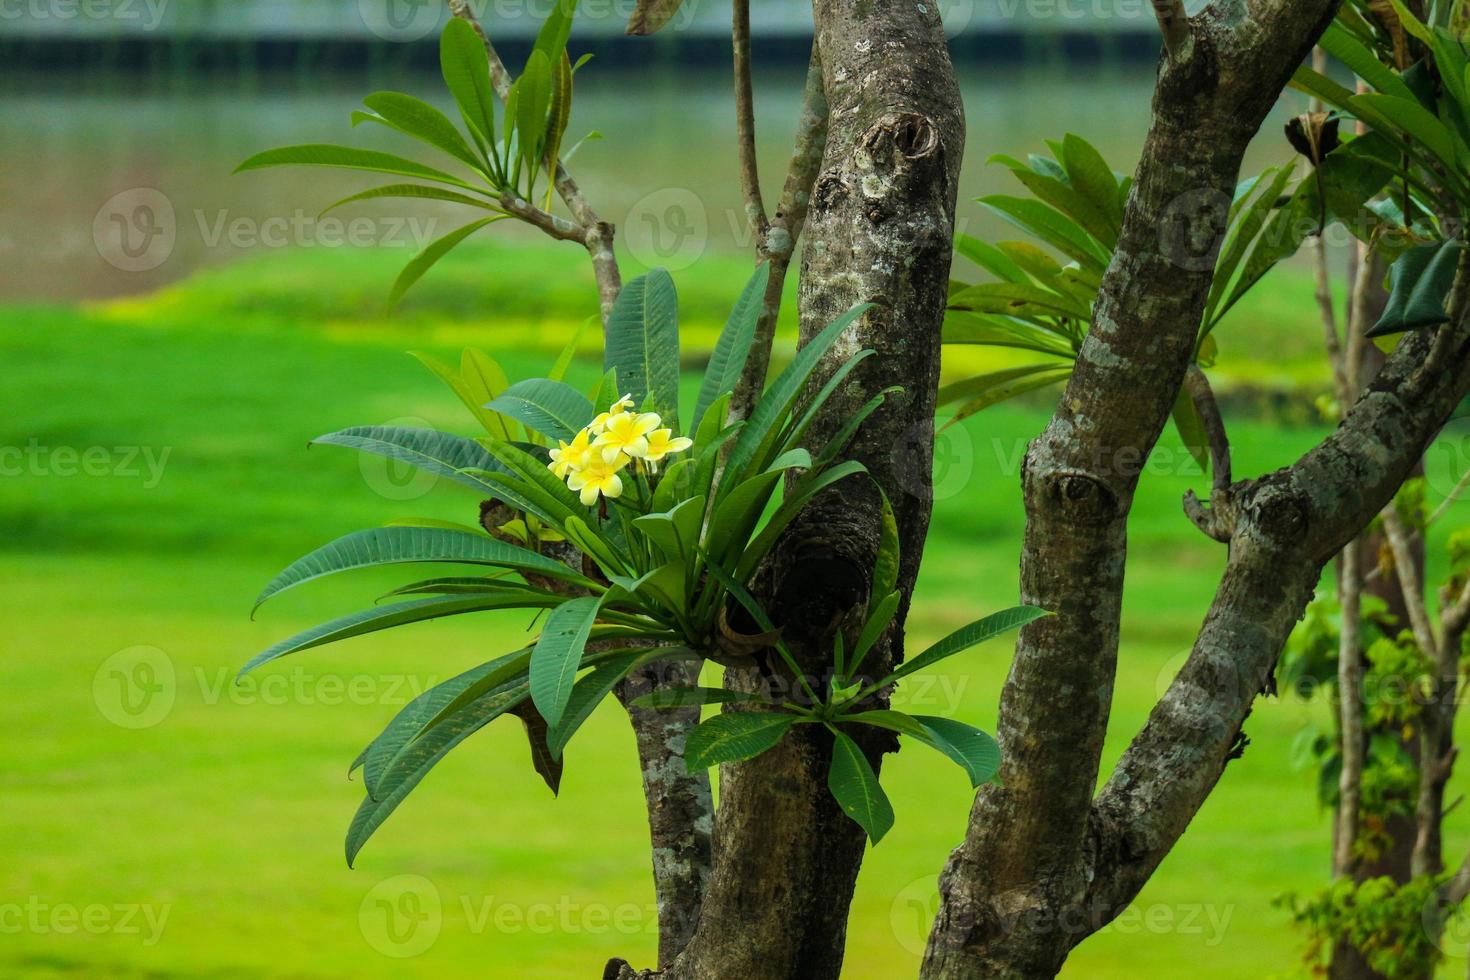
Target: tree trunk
[{"x": 880, "y": 231}]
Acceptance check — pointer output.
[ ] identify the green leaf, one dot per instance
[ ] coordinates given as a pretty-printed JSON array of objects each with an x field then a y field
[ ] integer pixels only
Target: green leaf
[
  {"x": 983, "y": 385},
  {"x": 416, "y": 191},
  {"x": 1242, "y": 234},
  {"x": 779, "y": 399},
  {"x": 855, "y": 787},
  {"x": 397, "y": 545},
  {"x": 886, "y": 562},
  {"x": 415, "y": 117},
  {"x": 534, "y": 102},
  {"x": 559, "y": 113},
  {"x": 735, "y": 736},
  {"x": 387, "y": 617},
  {"x": 976, "y": 752},
  {"x": 478, "y": 380},
  {"x": 1339, "y": 42},
  {"x": 966, "y": 637},
  {"x": 1051, "y": 226},
  {"x": 1191, "y": 429},
  {"x": 349, "y": 158},
  {"x": 547, "y": 765},
  {"x": 1422, "y": 280},
  {"x": 1019, "y": 300},
  {"x": 434, "y": 452},
  {"x": 881, "y": 614},
  {"x": 733, "y": 347},
  {"x": 552, "y": 408},
  {"x": 687, "y": 697},
  {"x": 1095, "y": 181},
  {"x": 1089, "y": 216},
  {"x": 385, "y": 750},
  {"x": 643, "y": 343},
  {"x": 432, "y": 253},
  {"x": 675, "y": 532},
  {"x": 558, "y": 655},
  {"x": 1406, "y": 115},
  {"x": 465, "y": 65},
  {"x": 421, "y": 757},
  {"x": 590, "y": 691},
  {"x": 805, "y": 489}
]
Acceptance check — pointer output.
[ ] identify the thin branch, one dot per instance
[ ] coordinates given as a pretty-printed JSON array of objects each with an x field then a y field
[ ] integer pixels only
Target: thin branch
[
  {"x": 778, "y": 245},
  {"x": 554, "y": 225},
  {"x": 1350, "y": 707},
  {"x": 1454, "y": 496},
  {"x": 1218, "y": 519},
  {"x": 1174, "y": 23},
  {"x": 750, "y": 184},
  {"x": 1410, "y": 584},
  {"x": 1203, "y": 396}
]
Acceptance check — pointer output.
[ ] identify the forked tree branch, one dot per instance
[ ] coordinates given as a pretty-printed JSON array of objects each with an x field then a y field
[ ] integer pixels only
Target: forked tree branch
[
  {"x": 1010, "y": 894},
  {"x": 1294, "y": 520}
]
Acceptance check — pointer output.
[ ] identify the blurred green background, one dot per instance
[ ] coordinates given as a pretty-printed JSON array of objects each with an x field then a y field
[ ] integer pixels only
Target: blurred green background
[{"x": 159, "y": 821}]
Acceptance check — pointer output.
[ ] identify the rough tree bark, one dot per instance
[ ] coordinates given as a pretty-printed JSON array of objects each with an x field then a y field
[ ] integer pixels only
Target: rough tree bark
[
  {"x": 879, "y": 231},
  {"x": 1043, "y": 865}
]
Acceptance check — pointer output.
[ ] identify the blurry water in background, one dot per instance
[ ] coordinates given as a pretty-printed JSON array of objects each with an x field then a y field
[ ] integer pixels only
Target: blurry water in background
[{"x": 80, "y": 154}]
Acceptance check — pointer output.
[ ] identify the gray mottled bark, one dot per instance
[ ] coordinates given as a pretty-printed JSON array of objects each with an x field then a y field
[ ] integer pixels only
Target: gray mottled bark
[
  {"x": 1027, "y": 883},
  {"x": 879, "y": 230}
]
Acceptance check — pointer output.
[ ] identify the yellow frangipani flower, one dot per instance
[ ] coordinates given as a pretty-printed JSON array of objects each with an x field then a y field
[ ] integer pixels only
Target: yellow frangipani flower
[
  {"x": 597, "y": 477},
  {"x": 619, "y": 407},
  {"x": 571, "y": 456},
  {"x": 626, "y": 434},
  {"x": 661, "y": 442}
]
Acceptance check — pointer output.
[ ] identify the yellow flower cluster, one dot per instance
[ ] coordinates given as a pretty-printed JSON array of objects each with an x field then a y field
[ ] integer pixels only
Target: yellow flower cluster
[{"x": 592, "y": 461}]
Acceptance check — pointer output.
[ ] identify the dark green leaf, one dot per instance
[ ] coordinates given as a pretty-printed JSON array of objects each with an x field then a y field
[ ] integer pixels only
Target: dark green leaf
[
  {"x": 856, "y": 789},
  {"x": 558, "y": 655},
  {"x": 432, "y": 253},
  {"x": 735, "y": 736},
  {"x": 643, "y": 343},
  {"x": 1422, "y": 280}
]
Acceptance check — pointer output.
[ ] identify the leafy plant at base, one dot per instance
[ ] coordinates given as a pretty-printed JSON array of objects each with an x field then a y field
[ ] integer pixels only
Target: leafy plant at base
[
  {"x": 504, "y": 161},
  {"x": 637, "y": 568}
]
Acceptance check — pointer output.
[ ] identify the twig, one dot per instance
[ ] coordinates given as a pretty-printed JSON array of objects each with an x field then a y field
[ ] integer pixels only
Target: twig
[
  {"x": 1454, "y": 495},
  {"x": 1174, "y": 23},
  {"x": 1350, "y": 707},
  {"x": 1203, "y": 396},
  {"x": 1218, "y": 519},
  {"x": 778, "y": 245},
  {"x": 1410, "y": 584},
  {"x": 750, "y": 184}
]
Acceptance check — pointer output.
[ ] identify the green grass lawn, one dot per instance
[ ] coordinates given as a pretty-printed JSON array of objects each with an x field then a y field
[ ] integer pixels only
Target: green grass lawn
[{"x": 209, "y": 843}]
